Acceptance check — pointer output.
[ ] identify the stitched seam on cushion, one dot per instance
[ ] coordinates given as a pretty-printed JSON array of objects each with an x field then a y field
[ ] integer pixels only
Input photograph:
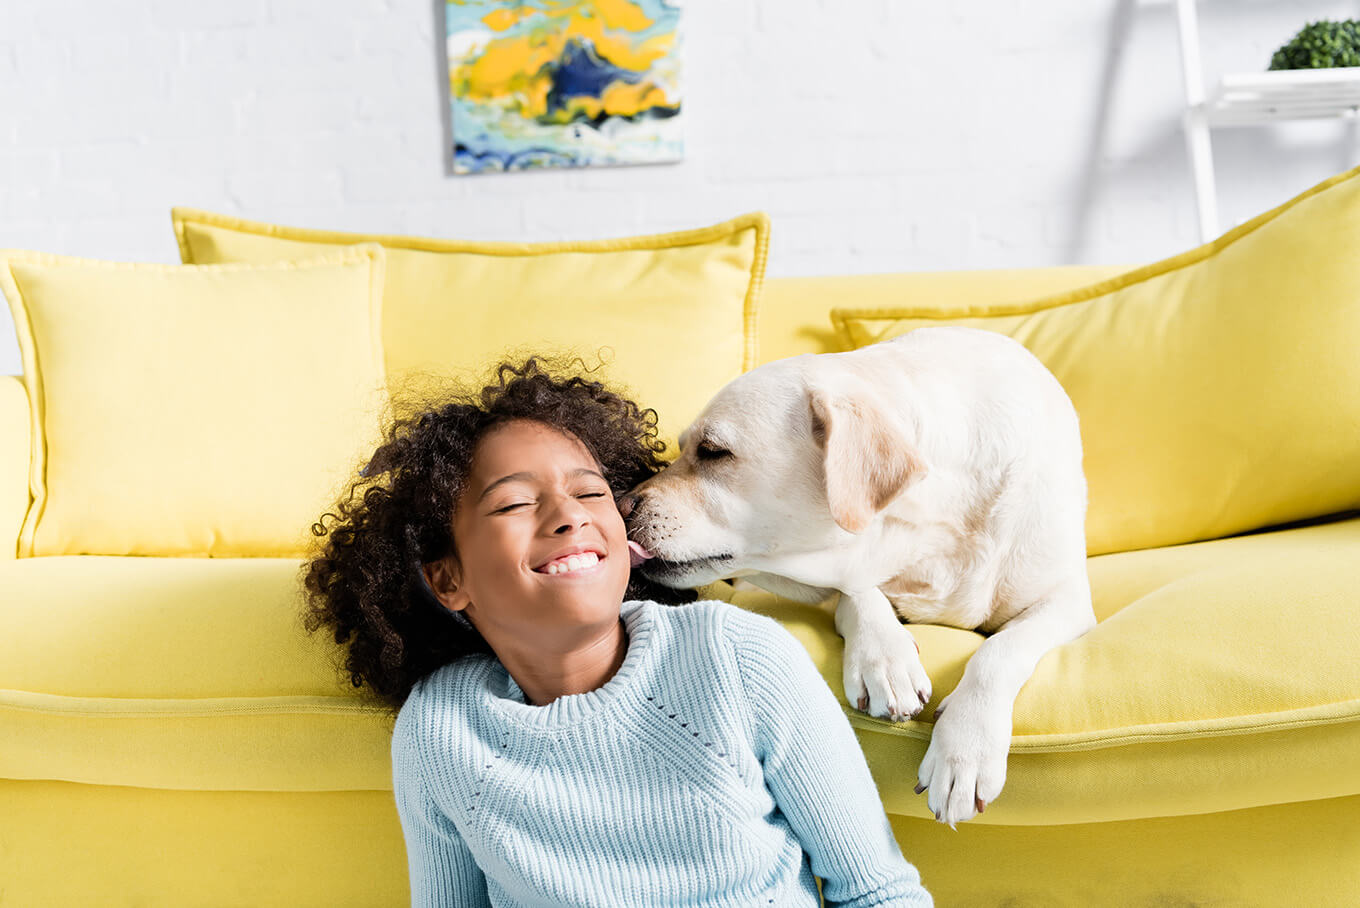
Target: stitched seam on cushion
[
  {"x": 118, "y": 708},
  {"x": 657, "y": 241},
  {"x": 1119, "y": 282},
  {"x": 757, "y": 221},
  {"x": 755, "y": 289},
  {"x": 841, "y": 322},
  {"x": 1254, "y": 723},
  {"x": 185, "y": 253},
  {"x": 36, "y": 389},
  {"x": 28, "y": 472},
  {"x": 344, "y": 255},
  {"x": 377, "y": 282},
  {"x": 842, "y": 316}
]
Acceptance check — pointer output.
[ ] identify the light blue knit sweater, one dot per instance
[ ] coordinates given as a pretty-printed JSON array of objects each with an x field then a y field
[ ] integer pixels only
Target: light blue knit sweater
[{"x": 714, "y": 768}]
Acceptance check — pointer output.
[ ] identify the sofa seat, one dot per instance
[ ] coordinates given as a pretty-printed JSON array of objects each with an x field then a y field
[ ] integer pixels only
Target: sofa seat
[
  {"x": 1222, "y": 676},
  {"x": 102, "y": 659}
]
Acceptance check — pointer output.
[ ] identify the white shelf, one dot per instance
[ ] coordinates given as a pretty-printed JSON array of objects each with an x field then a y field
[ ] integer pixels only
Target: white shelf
[{"x": 1248, "y": 99}]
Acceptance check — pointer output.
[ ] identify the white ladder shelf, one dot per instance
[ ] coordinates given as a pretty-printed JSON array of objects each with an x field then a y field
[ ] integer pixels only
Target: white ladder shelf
[{"x": 1250, "y": 99}]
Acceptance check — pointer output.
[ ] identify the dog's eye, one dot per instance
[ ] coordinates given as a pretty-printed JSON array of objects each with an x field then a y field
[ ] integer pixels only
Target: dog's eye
[{"x": 707, "y": 451}]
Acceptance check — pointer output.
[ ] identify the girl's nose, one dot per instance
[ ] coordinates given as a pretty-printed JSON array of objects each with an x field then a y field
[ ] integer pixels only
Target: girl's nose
[{"x": 571, "y": 513}]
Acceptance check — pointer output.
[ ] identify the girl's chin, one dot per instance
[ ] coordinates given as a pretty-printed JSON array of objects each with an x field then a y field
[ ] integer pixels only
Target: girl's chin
[{"x": 590, "y": 591}]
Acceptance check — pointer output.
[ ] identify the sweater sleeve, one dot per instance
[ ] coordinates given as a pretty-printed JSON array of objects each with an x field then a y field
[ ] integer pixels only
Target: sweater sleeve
[
  {"x": 442, "y": 869},
  {"x": 816, "y": 771}
]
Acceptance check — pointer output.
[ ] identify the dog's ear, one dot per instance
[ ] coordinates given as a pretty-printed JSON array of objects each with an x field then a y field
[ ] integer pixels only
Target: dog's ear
[{"x": 867, "y": 457}]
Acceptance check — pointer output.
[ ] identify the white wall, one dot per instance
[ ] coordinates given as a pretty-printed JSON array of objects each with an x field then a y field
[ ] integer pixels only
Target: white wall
[{"x": 880, "y": 135}]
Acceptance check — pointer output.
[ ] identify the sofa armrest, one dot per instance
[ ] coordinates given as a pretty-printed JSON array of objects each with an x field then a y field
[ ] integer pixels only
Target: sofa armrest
[{"x": 15, "y": 440}]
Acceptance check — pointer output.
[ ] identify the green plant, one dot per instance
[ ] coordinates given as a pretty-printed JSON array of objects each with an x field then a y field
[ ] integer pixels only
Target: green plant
[{"x": 1319, "y": 45}]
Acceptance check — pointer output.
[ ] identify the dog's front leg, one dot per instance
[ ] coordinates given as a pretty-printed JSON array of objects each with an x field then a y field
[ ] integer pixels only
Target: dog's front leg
[
  {"x": 965, "y": 764},
  {"x": 883, "y": 674}
]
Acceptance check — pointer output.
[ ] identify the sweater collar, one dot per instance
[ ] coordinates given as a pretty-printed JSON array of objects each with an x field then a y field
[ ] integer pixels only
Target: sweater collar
[{"x": 639, "y": 619}]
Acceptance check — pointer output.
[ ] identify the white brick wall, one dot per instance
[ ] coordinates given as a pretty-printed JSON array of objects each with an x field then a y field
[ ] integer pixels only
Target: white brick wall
[{"x": 880, "y": 135}]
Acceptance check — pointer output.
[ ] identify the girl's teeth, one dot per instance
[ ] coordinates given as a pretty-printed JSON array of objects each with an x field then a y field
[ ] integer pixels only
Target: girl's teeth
[{"x": 574, "y": 563}]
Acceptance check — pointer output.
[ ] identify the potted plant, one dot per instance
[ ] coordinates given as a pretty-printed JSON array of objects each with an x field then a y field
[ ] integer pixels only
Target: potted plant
[{"x": 1321, "y": 45}]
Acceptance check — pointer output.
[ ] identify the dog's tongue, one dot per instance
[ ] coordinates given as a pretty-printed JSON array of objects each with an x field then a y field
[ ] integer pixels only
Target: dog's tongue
[{"x": 637, "y": 554}]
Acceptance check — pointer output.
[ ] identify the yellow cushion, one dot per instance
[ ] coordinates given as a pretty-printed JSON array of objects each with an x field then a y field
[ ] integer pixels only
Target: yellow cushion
[
  {"x": 677, "y": 311},
  {"x": 1216, "y": 680},
  {"x": 1222, "y": 675},
  {"x": 1218, "y": 390},
  {"x": 15, "y": 446},
  {"x": 193, "y": 411},
  {"x": 795, "y": 311}
]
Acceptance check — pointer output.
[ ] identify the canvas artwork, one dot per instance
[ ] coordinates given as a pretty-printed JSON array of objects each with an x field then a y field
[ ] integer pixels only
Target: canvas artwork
[{"x": 563, "y": 83}]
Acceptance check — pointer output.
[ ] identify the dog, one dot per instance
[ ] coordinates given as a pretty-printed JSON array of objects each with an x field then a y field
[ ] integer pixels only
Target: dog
[{"x": 934, "y": 478}]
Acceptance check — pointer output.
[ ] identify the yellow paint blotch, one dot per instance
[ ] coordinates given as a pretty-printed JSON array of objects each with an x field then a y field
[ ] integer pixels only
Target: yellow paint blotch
[
  {"x": 625, "y": 100},
  {"x": 620, "y": 14},
  {"x": 511, "y": 70},
  {"x": 501, "y": 19}
]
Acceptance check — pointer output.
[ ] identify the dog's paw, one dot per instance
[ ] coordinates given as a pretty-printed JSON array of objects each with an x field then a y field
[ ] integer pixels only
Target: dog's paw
[
  {"x": 884, "y": 677},
  {"x": 965, "y": 765}
]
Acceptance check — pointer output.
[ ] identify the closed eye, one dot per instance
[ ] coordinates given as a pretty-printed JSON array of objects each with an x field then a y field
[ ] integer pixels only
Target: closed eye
[
  {"x": 521, "y": 504},
  {"x": 708, "y": 451}
]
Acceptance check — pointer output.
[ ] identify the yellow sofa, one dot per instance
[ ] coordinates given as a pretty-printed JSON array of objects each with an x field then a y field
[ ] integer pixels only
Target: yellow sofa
[{"x": 220, "y": 761}]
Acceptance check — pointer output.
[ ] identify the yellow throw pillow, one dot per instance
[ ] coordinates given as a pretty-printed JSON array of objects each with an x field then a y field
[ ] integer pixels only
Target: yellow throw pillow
[
  {"x": 677, "y": 311},
  {"x": 1218, "y": 390},
  {"x": 194, "y": 411}
]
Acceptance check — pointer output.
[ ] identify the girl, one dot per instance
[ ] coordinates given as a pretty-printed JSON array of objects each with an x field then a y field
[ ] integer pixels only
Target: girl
[{"x": 565, "y": 732}]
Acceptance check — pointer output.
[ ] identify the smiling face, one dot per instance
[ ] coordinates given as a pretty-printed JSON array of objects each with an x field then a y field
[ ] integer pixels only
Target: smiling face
[{"x": 534, "y": 496}]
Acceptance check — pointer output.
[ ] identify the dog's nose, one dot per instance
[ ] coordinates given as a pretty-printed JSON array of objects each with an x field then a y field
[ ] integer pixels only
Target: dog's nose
[{"x": 628, "y": 502}]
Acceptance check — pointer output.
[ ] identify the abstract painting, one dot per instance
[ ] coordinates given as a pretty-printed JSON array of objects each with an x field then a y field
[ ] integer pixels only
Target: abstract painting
[{"x": 563, "y": 83}]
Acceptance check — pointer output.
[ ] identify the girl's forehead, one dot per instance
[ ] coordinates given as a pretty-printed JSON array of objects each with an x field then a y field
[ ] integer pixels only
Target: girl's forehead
[{"x": 523, "y": 445}]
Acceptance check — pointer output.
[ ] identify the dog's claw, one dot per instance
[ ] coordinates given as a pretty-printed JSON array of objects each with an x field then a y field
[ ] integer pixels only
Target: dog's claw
[
  {"x": 981, "y": 804},
  {"x": 920, "y": 787}
]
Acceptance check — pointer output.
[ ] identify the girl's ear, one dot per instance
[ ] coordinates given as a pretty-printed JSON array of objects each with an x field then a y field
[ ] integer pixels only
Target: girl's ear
[{"x": 445, "y": 581}]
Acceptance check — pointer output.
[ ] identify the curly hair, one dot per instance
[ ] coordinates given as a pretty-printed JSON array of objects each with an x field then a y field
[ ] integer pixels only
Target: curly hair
[{"x": 364, "y": 581}]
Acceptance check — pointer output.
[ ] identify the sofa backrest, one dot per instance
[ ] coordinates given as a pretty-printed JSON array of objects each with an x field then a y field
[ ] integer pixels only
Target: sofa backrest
[{"x": 793, "y": 319}]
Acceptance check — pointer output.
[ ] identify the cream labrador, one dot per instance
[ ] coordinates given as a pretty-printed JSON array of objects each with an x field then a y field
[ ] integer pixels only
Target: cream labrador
[{"x": 935, "y": 478}]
